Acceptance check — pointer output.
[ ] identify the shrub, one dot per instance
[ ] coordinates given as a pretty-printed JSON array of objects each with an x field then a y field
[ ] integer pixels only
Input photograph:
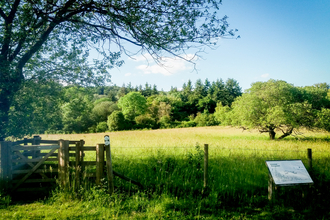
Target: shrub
[
  {"x": 145, "y": 121},
  {"x": 102, "y": 126},
  {"x": 116, "y": 121},
  {"x": 205, "y": 119},
  {"x": 165, "y": 121}
]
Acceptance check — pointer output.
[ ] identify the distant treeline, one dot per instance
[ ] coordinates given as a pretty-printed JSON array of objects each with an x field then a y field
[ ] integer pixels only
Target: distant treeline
[{"x": 49, "y": 107}]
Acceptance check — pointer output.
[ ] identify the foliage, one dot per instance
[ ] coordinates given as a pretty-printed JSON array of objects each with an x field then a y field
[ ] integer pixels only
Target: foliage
[
  {"x": 102, "y": 126},
  {"x": 145, "y": 121},
  {"x": 116, "y": 121},
  {"x": 76, "y": 111},
  {"x": 205, "y": 119},
  {"x": 103, "y": 109},
  {"x": 133, "y": 104},
  {"x": 35, "y": 109},
  {"x": 222, "y": 114},
  {"x": 165, "y": 121},
  {"x": 278, "y": 106}
]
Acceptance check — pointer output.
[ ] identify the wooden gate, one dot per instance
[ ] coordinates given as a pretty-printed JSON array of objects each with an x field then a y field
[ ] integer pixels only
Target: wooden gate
[
  {"x": 29, "y": 164},
  {"x": 27, "y": 167}
]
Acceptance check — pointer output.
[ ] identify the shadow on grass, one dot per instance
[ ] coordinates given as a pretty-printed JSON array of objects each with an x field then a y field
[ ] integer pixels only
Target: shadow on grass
[{"x": 237, "y": 188}]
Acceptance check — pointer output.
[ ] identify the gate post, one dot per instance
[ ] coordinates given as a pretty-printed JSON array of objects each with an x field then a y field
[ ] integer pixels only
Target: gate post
[
  {"x": 63, "y": 163},
  {"x": 99, "y": 163},
  {"x": 78, "y": 165},
  {"x": 36, "y": 141},
  {"x": 109, "y": 164},
  {"x": 5, "y": 164}
]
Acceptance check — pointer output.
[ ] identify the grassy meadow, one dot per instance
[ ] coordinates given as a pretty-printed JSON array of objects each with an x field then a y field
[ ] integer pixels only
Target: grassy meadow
[{"x": 169, "y": 164}]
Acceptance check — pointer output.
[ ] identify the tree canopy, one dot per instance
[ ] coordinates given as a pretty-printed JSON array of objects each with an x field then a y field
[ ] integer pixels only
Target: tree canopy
[
  {"x": 276, "y": 105},
  {"x": 52, "y": 39},
  {"x": 133, "y": 104}
]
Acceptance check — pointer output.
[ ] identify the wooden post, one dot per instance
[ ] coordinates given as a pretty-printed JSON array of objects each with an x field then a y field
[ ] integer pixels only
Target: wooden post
[
  {"x": 109, "y": 164},
  {"x": 78, "y": 165},
  {"x": 271, "y": 188},
  {"x": 5, "y": 164},
  {"x": 310, "y": 159},
  {"x": 206, "y": 163},
  {"x": 63, "y": 157},
  {"x": 99, "y": 163},
  {"x": 25, "y": 143},
  {"x": 36, "y": 141},
  {"x": 82, "y": 155}
]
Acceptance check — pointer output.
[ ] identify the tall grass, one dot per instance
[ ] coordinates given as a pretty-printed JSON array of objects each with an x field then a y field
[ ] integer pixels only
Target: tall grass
[{"x": 169, "y": 164}]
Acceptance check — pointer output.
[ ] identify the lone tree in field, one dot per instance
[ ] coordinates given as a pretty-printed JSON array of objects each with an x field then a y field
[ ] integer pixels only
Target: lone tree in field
[
  {"x": 50, "y": 40},
  {"x": 275, "y": 105}
]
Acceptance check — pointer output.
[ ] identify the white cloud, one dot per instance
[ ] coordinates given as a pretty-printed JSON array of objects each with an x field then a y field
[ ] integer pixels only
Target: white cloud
[
  {"x": 168, "y": 67},
  {"x": 128, "y": 74},
  {"x": 265, "y": 75}
]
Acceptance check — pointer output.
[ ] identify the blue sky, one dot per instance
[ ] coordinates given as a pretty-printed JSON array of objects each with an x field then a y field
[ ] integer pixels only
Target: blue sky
[{"x": 285, "y": 40}]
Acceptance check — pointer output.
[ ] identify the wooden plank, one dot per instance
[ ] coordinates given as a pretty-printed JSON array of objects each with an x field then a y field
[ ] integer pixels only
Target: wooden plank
[
  {"x": 74, "y": 142},
  {"x": 22, "y": 142},
  {"x": 49, "y": 142},
  {"x": 33, "y": 160},
  {"x": 91, "y": 148},
  {"x": 35, "y": 147},
  {"x": 33, "y": 169},
  {"x": 55, "y": 170},
  {"x": 84, "y": 163},
  {"x": 53, "y": 155}
]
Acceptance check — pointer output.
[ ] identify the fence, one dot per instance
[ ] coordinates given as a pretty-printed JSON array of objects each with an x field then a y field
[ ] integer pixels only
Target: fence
[{"x": 28, "y": 164}]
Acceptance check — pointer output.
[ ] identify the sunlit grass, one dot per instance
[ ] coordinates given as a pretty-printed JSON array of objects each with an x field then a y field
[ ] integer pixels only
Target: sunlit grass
[{"x": 169, "y": 164}]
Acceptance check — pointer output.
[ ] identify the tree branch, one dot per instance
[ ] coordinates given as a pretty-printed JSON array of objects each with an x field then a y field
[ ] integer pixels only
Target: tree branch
[
  {"x": 106, "y": 28},
  {"x": 3, "y": 15},
  {"x": 13, "y": 10},
  {"x": 35, "y": 47}
]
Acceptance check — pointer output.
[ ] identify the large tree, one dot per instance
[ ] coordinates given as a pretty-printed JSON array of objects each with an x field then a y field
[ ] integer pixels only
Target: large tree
[
  {"x": 276, "y": 105},
  {"x": 51, "y": 39},
  {"x": 133, "y": 104}
]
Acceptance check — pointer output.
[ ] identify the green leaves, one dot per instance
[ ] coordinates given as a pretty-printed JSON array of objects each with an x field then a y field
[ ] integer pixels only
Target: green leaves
[
  {"x": 278, "y": 106},
  {"x": 133, "y": 104}
]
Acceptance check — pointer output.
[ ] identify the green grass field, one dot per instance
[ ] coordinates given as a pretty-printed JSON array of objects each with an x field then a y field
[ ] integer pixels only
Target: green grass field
[{"x": 169, "y": 164}]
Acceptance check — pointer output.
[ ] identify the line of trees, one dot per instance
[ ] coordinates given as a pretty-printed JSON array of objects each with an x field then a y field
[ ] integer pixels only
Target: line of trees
[
  {"x": 275, "y": 107},
  {"x": 49, "y": 107}
]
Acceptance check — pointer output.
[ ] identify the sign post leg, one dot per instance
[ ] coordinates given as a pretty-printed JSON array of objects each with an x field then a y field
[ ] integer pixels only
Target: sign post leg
[{"x": 271, "y": 189}]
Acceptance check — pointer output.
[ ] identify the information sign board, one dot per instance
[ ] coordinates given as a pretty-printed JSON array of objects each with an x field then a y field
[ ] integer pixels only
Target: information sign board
[{"x": 288, "y": 172}]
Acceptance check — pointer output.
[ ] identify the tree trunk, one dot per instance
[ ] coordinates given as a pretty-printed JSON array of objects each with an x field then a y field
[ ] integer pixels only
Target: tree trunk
[
  {"x": 289, "y": 132},
  {"x": 5, "y": 105},
  {"x": 272, "y": 134},
  {"x": 10, "y": 83}
]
